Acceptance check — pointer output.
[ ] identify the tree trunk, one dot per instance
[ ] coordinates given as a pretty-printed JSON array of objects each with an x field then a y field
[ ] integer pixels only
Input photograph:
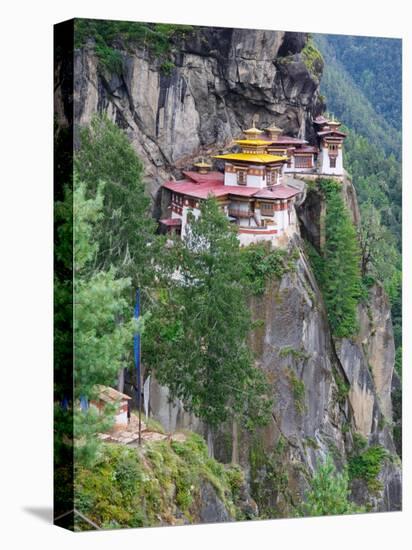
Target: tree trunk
[
  {"x": 210, "y": 448},
  {"x": 235, "y": 442},
  {"x": 120, "y": 381}
]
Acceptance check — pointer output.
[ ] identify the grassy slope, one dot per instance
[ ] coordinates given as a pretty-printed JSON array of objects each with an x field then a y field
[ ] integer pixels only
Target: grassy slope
[{"x": 156, "y": 485}]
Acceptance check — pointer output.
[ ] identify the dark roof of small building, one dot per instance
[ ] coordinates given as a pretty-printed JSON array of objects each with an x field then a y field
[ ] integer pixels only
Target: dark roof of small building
[
  {"x": 336, "y": 132},
  {"x": 285, "y": 140},
  {"x": 277, "y": 192},
  {"x": 209, "y": 177},
  {"x": 110, "y": 395},
  {"x": 306, "y": 149}
]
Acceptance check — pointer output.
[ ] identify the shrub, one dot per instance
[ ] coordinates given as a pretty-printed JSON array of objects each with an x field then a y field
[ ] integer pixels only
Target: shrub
[
  {"x": 261, "y": 264},
  {"x": 328, "y": 493},
  {"x": 367, "y": 464}
]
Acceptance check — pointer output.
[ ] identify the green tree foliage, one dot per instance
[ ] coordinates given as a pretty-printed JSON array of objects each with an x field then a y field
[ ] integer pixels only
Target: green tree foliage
[
  {"x": 101, "y": 334},
  {"x": 328, "y": 493},
  {"x": 338, "y": 269},
  {"x": 380, "y": 257},
  {"x": 375, "y": 66},
  {"x": 261, "y": 263},
  {"x": 366, "y": 464},
  {"x": 126, "y": 228},
  {"x": 355, "y": 105},
  {"x": 377, "y": 178},
  {"x": 202, "y": 329},
  {"x": 378, "y": 182},
  {"x": 362, "y": 82},
  {"x": 102, "y": 319}
]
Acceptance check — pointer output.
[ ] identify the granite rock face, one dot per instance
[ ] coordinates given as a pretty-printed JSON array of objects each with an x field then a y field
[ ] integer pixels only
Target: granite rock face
[{"x": 221, "y": 81}]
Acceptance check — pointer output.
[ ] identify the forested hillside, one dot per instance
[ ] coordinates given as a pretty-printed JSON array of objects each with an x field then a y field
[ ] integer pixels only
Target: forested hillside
[
  {"x": 375, "y": 65},
  {"x": 362, "y": 86}
]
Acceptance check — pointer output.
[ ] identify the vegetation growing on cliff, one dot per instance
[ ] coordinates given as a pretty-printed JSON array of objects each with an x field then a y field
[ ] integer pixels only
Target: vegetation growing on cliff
[
  {"x": 337, "y": 269},
  {"x": 363, "y": 85},
  {"x": 261, "y": 263},
  {"x": 108, "y": 36},
  {"x": 329, "y": 493},
  {"x": 312, "y": 58},
  {"x": 125, "y": 233},
  {"x": 366, "y": 463},
  {"x": 158, "y": 484}
]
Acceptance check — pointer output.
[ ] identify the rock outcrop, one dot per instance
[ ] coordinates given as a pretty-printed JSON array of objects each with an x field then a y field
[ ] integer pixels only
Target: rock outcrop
[{"x": 221, "y": 80}]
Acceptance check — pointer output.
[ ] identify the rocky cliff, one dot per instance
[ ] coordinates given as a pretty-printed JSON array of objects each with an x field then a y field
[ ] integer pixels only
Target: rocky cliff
[
  {"x": 331, "y": 397},
  {"x": 220, "y": 80}
]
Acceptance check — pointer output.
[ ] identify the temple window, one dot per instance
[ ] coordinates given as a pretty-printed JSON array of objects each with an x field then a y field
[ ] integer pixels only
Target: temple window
[
  {"x": 332, "y": 162},
  {"x": 303, "y": 162},
  {"x": 267, "y": 208},
  {"x": 241, "y": 177}
]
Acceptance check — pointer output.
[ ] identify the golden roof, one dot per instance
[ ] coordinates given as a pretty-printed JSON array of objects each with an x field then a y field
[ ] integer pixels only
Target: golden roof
[
  {"x": 253, "y": 131},
  {"x": 255, "y": 158},
  {"x": 254, "y": 142},
  {"x": 202, "y": 164}
]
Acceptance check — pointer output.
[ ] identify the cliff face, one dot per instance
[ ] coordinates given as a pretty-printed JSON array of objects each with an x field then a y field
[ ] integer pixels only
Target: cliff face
[
  {"x": 325, "y": 391},
  {"x": 222, "y": 78}
]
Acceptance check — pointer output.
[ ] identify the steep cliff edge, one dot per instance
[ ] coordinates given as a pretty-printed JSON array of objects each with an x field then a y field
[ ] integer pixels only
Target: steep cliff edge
[{"x": 328, "y": 393}]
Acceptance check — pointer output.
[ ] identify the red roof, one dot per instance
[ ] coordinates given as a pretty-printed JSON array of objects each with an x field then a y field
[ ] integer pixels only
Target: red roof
[
  {"x": 197, "y": 190},
  {"x": 277, "y": 192},
  {"x": 170, "y": 222},
  {"x": 204, "y": 189},
  {"x": 209, "y": 177}
]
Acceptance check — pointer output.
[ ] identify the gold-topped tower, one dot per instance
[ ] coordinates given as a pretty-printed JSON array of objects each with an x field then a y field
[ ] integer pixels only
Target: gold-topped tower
[
  {"x": 273, "y": 132},
  {"x": 202, "y": 166}
]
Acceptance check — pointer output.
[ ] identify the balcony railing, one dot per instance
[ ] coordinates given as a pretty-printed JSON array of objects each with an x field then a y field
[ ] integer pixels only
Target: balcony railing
[{"x": 240, "y": 212}]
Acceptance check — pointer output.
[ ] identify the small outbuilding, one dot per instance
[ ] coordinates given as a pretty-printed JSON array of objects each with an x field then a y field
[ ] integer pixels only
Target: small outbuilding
[{"x": 111, "y": 396}]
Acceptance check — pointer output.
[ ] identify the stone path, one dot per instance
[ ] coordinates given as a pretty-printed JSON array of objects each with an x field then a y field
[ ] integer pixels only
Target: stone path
[{"x": 130, "y": 435}]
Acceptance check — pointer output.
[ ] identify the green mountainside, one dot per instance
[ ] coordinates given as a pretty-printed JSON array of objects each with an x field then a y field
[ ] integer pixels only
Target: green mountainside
[{"x": 362, "y": 86}]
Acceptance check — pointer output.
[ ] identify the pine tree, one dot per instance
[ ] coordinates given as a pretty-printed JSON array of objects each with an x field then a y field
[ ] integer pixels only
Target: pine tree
[
  {"x": 341, "y": 280},
  {"x": 328, "y": 493},
  {"x": 102, "y": 319},
  {"x": 126, "y": 230},
  {"x": 202, "y": 336}
]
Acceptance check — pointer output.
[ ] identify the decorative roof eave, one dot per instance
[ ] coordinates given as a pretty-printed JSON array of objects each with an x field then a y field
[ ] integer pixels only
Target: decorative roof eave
[
  {"x": 253, "y": 142},
  {"x": 330, "y": 132},
  {"x": 252, "y": 158}
]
